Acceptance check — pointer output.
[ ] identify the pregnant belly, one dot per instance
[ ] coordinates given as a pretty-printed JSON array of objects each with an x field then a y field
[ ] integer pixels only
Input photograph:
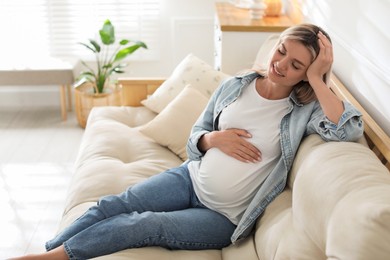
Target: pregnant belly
[{"x": 224, "y": 178}]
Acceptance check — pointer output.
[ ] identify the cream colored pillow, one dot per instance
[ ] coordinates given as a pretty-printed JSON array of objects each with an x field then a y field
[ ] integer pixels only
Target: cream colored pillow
[
  {"x": 191, "y": 70},
  {"x": 265, "y": 52},
  {"x": 172, "y": 127}
]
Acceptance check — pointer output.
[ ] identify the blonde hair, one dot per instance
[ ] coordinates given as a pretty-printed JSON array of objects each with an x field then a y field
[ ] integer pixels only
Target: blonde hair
[{"x": 307, "y": 35}]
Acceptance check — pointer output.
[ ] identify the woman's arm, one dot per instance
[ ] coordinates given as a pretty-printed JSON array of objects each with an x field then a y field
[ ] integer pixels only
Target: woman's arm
[
  {"x": 203, "y": 125},
  {"x": 342, "y": 121},
  {"x": 331, "y": 105},
  {"x": 205, "y": 135}
]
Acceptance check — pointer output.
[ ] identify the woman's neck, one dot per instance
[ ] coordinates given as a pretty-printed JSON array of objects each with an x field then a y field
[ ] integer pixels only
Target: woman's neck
[{"x": 270, "y": 90}]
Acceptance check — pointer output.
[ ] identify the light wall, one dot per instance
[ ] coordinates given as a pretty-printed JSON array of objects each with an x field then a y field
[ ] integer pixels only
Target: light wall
[
  {"x": 186, "y": 27},
  {"x": 361, "y": 38}
]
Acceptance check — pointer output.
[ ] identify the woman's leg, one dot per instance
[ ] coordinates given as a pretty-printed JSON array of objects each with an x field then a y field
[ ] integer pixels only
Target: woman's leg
[
  {"x": 168, "y": 191},
  {"x": 191, "y": 229}
]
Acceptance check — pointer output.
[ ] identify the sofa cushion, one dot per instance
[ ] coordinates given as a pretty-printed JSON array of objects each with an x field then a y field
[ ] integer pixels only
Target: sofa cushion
[
  {"x": 191, "y": 70},
  {"x": 152, "y": 253},
  {"x": 307, "y": 145},
  {"x": 172, "y": 127},
  {"x": 278, "y": 238},
  {"x": 341, "y": 199},
  {"x": 114, "y": 155},
  {"x": 129, "y": 116}
]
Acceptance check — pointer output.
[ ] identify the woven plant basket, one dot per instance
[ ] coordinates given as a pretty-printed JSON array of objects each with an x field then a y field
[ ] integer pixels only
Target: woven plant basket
[{"x": 86, "y": 99}]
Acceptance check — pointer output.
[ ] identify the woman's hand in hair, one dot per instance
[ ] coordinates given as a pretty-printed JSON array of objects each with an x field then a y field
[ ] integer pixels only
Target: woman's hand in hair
[
  {"x": 330, "y": 103},
  {"x": 323, "y": 62}
]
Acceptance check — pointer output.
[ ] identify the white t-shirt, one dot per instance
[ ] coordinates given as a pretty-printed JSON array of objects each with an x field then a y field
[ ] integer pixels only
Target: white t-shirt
[{"x": 226, "y": 184}]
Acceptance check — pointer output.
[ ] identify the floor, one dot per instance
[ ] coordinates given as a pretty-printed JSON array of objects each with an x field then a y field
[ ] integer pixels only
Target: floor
[{"x": 37, "y": 152}]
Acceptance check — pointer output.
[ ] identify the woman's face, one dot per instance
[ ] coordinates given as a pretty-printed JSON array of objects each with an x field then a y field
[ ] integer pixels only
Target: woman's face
[{"x": 289, "y": 63}]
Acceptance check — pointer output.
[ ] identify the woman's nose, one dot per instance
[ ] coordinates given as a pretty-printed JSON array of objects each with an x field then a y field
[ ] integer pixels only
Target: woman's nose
[{"x": 282, "y": 64}]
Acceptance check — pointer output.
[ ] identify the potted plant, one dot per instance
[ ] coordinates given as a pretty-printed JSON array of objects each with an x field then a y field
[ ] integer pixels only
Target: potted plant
[{"x": 93, "y": 87}]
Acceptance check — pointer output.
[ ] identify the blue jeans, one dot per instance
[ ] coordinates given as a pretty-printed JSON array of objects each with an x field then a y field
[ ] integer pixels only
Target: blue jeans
[{"x": 160, "y": 211}]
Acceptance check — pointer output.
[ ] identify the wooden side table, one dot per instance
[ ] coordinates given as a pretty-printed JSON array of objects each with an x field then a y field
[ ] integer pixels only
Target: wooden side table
[
  {"x": 47, "y": 72},
  {"x": 238, "y": 37}
]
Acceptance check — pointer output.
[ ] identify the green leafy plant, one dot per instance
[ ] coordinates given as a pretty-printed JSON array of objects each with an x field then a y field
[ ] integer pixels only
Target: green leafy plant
[{"x": 106, "y": 63}]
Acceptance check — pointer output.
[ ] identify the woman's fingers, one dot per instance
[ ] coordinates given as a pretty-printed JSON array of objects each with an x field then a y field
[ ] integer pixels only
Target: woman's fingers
[
  {"x": 323, "y": 61},
  {"x": 233, "y": 142},
  {"x": 247, "y": 152},
  {"x": 326, "y": 48}
]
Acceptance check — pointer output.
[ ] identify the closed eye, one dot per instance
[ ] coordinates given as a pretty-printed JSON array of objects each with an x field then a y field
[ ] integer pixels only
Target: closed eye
[
  {"x": 281, "y": 51},
  {"x": 295, "y": 66}
]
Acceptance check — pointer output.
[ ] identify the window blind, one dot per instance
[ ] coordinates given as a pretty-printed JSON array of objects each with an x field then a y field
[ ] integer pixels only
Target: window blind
[{"x": 41, "y": 28}]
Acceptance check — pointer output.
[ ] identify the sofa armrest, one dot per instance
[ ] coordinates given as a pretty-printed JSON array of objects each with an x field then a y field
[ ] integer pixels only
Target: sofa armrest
[{"x": 134, "y": 90}]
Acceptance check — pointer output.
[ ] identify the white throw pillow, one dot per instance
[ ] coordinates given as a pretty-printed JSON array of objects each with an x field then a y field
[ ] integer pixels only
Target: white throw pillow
[
  {"x": 191, "y": 70},
  {"x": 172, "y": 127},
  {"x": 265, "y": 52}
]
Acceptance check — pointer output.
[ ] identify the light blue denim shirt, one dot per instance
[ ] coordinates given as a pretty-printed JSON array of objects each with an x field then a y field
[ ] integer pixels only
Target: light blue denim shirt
[{"x": 300, "y": 120}]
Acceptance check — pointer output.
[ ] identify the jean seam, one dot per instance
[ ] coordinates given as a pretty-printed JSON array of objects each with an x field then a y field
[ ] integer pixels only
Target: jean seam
[
  {"x": 199, "y": 244},
  {"x": 170, "y": 243},
  {"x": 68, "y": 251}
]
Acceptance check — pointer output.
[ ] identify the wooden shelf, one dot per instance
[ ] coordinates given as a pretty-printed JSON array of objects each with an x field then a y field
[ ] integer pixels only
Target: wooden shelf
[{"x": 234, "y": 19}]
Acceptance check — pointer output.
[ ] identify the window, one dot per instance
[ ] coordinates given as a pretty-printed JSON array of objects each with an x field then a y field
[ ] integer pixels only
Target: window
[{"x": 39, "y": 28}]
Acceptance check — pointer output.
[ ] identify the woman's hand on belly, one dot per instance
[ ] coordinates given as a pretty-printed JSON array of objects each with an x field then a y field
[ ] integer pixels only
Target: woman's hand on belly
[{"x": 233, "y": 142}]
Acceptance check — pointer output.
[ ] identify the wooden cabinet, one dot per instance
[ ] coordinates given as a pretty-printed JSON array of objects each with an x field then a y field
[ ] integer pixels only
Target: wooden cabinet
[{"x": 238, "y": 37}]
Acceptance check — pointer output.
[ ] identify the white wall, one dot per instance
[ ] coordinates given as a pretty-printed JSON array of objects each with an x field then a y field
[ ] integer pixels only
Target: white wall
[
  {"x": 361, "y": 38},
  {"x": 186, "y": 27}
]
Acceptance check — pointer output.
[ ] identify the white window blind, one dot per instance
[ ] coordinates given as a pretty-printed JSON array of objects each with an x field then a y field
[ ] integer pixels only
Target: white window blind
[{"x": 39, "y": 28}]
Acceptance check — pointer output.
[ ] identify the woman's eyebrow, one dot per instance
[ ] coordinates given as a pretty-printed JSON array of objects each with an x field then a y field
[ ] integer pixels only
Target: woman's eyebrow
[{"x": 295, "y": 60}]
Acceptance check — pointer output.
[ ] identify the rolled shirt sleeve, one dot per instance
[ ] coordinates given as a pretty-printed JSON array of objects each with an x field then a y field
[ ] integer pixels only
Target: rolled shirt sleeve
[{"x": 349, "y": 128}]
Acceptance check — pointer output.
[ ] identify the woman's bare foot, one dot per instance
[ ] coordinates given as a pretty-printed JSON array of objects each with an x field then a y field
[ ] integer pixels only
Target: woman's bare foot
[{"x": 55, "y": 254}]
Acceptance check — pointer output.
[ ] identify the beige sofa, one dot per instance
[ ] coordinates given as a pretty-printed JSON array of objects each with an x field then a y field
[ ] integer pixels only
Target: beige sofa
[{"x": 336, "y": 204}]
